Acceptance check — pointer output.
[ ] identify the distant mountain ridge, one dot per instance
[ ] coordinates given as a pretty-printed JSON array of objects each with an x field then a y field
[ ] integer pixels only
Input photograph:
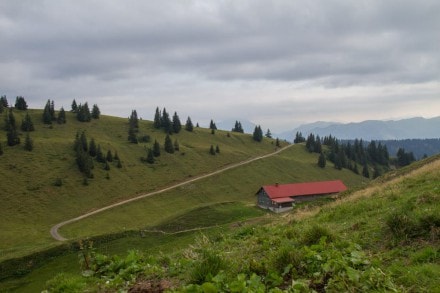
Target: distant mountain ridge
[{"x": 411, "y": 128}]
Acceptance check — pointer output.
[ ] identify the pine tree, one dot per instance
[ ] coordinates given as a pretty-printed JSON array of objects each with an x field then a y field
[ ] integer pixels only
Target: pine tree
[
  {"x": 106, "y": 166},
  {"x": 166, "y": 122},
  {"x": 83, "y": 113},
  {"x": 258, "y": 134},
  {"x": 116, "y": 156},
  {"x": 109, "y": 156},
  {"x": 277, "y": 143},
  {"x": 61, "y": 119},
  {"x": 197, "y": 125},
  {"x": 150, "y": 156},
  {"x": 99, "y": 155},
  {"x": 189, "y": 125},
  {"x": 268, "y": 133},
  {"x": 28, "y": 143},
  {"x": 1, "y": 148},
  {"x": 132, "y": 137},
  {"x": 212, "y": 131},
  {"x": 20, "y": 103},
  {"x": 365, "y": 171},
  {"x": 212, "y": 150},
  {"x": 11, "y": 129},
  {"x": 321, "y": 160},
  {"x": 4, "y": 101},
  {"x": 83, "y": 140},
  {"x": 217, "y": 149},
  {"x": 212, "y": 125},
  {"x": 119, "y": 165},
  {"x": 299, "y": 138},
  {"x": 2, "y": 108},
  {"x": 47, "y": 117},
  {"x": 52, "y": 110},
  {"x": 168, "y": 146},
  {"x": 177, "y": 126},
  {"x": 92, "y": 148},
  {"x": 95, "y": 112},
  {"x": 74, "y": 107},
  {"x": 355, "y": 168},
  {"x": 157, "y": 119},
  {"x": 156, "y": 148},
  {"x": 238, "y": 127},
  {"x": 27, "y": 124},
  {"x": 376, "y": 172}
]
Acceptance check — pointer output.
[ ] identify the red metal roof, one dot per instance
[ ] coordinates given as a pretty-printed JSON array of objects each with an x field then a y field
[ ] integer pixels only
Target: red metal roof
[
  {"x": 282, "y": 199},
  {"x": 308, "y": 188}
]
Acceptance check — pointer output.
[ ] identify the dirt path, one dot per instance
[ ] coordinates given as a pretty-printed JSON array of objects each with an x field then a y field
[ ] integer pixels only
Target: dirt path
[{"x": 54, "y": 230}]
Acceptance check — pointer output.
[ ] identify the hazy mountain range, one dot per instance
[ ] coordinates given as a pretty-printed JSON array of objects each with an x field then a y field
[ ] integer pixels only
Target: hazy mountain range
[{"x": 371, "y": 129}]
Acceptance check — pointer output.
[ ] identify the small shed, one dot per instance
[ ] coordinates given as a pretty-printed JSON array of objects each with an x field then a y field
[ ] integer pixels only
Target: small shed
[{"x": 281, "y": 197}]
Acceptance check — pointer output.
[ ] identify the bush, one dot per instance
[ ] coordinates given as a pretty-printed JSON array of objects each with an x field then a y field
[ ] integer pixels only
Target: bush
[
  {"x": 402, "y": 225},
  {"x": 314, "y": 234},
  {"x": 205, "y": 269}
]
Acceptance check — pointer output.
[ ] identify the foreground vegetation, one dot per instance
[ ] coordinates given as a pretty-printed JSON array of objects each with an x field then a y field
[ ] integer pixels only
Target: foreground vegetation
[{"x": 383, "y": 238}]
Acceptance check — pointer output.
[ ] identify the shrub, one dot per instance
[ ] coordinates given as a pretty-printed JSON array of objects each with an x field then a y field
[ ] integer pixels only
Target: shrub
[
  {"x": 314, "y": 234},
  {"x": 205, "y": 269}
]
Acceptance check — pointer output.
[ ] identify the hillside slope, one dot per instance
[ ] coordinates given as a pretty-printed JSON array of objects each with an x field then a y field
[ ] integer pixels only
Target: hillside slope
[{"x": 382, "y": 238}]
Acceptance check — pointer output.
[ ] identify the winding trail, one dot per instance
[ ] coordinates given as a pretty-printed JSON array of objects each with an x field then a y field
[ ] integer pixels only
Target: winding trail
[{"x": 54, "y": 230}]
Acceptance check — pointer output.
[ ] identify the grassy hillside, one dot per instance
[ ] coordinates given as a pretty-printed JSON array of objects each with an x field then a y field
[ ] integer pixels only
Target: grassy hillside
[
  {"x": 381, "y": 238},
  {"x": 32, "y": 202}
]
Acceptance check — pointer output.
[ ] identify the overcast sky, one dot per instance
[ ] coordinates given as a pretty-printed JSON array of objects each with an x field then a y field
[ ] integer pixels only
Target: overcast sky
[{"x": 275, "y": 63}]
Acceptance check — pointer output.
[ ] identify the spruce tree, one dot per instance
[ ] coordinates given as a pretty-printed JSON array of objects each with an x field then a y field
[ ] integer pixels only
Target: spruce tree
[
  {"x": 1, "y": 149},
  {"x": 177, "y": 126},
  {"x": 365, "y": 171},
  {"x": 258, "y": 134},
  {"x": 11, "y": 129},
  {"x": 99, "y": 155},
  {"x": 116, "y": 156},
  {"x": 4, "y": 101},
  {"x": 92, "y": 148},
  {"x": 27, "y": 124},
  {"x": 61, "y": 119},
  {"x": 47, "y": 117},
  {"x": 156, "y": 148},
  {"x": 321, "y": 160},
  {"x": 268, "y": 133},
  {"x": 217, "y": 149},
  {"x": 109, "y": 156},
  {"x": 74, "y": 106},
  {"x": 189, "y": 125},
  {"x": 166, "y": 122},
  {"x": 157, "y": 119},
  {"x": 277, "y": 143},
  {"x": 150, "y": 156},
  {"x": 2, "y": 108},
  {"x": 95, "y": 112},
  {"x": 83, "y": 113},
  {"x": 52, "y": 110},
  {"x": 83, "y": 140},
  {"x": 132, "y": 137},
  {"x": 212, "y": 125},
  {"x": 106, "y": 166},
  {"x": 28, "y": 143},
  {"x": 20, "y": 103},
  {"x": 168, "y": 146}
]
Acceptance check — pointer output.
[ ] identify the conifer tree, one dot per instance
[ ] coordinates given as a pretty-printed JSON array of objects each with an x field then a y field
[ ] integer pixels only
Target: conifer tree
[
  {"x": 106, "y": 166},
  {"x": 176, "y": 146},
  {"x": 150, "y": 156},
  {"x": 168, "y": 146},
  {"x": 212, "y": 131},
  {"x": 132, "y": 137},
  {"x": 61, "y": 119},
  {"x": 258, "y": 134},
  {"x": 20, "y": 103},
  {"x": 116, "y": 156},
  {"x": 217, "y": 149},
  {"x": 268, "y": 133},
  {"x": 321, "y": 160},
  {"x": 109, "y": 157},
  {"x": 92, "y": 148},
  {"x": 95, "y": 112},
  {"x": 4, "y": 101},
  {"x": 1, "y": 149},
  {"x": 99, "y": 155},
  {"x": 2, "y": 108},
  {"x": 189, "y": 125},
  {"x": 365, "y": 171},
  {"x": 299, "y": 138},
  {"x": 197, "y": 125},
  {"x": 27, "y": 124},
  {"x": 212, "y": 125},
  {"x": 355, "y": 168},
  {"x": 52, "y": 110},
  {"x": 74, "y": 107},
  {"x": 47, "y": 117},
  {"x": 83, "y": 113},
  {"x": 157, "y": 119},
  {"x": 119, "y": 165},
  {"x": 177, "y": 126},
  {"x": 277, "y": 142},
  {"x": 238, "y": 127},
  {"x": 211, "y": 150},
  {"x": 83, "y": 140},
  {"x": 11, "y": 129},
  {"x": 156, "y": 148},
  {"x": 28, "y": 143},
  {"x": 166, "y": 121}
]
